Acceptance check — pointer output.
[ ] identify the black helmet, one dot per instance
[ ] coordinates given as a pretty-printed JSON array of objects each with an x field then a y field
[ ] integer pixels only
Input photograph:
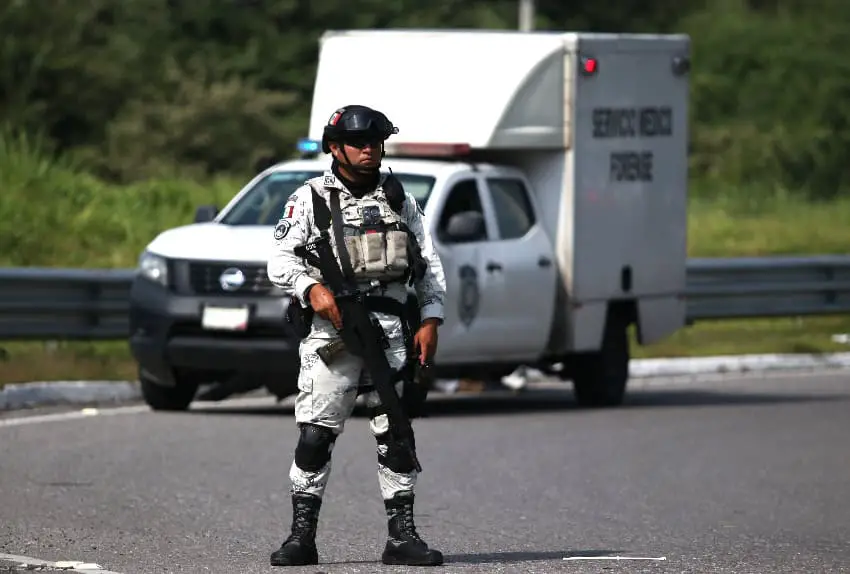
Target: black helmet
[{"x": 356, "y": 122}]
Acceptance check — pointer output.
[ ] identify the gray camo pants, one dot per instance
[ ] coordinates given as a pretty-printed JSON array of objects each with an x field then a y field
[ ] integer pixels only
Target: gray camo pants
[{"x": 327, "y": 395}]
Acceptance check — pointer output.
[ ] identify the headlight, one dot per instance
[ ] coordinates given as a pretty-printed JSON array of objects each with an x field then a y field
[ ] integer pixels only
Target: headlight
[{"x": 154, "y": 268}]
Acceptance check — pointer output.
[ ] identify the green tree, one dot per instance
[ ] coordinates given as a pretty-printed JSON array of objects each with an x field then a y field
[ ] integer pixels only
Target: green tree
[{"x": 770, "y": 101}]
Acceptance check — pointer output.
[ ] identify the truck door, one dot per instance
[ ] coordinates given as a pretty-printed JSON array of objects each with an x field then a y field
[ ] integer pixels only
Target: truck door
[
  {"x": 520, "y": 267},
  {"x": 472, "y": 329}
]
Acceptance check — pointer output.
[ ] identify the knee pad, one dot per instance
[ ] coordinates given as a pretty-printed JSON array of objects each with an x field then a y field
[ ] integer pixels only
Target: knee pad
[
  {"x": 397, "y": 457},
  {"x": 314, "y": 447}
]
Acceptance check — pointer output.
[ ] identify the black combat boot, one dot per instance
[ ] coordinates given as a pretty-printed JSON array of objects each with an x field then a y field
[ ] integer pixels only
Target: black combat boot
[
  {"x": 299, "y": 548},
  {"x": 404, "y": 547}
]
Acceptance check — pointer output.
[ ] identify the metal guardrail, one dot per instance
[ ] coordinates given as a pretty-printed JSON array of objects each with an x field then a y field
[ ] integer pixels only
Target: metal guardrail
[
  {"x": 93, "y": 304},
  {"x": 46, "y": 303},
  {"x": 750, "y": 287}
]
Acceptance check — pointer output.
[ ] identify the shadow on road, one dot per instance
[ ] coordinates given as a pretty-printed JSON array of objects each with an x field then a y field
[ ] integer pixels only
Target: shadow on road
[{"x": 507, "y": 403}]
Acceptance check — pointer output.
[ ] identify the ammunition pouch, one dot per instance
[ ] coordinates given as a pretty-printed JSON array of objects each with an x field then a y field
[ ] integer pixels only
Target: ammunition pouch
[
  {"x": 380, "y": 254},
  {"x": 381, "y": 248}
]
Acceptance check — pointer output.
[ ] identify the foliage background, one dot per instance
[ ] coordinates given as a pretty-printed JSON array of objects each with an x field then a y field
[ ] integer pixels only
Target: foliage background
[{"x": 143, "y": 89}]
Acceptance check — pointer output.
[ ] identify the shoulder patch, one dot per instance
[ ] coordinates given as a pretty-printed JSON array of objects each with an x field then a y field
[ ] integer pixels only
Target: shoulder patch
[
  {"x": 330, "y": 181},
  {"x": 282, "y": 228}
]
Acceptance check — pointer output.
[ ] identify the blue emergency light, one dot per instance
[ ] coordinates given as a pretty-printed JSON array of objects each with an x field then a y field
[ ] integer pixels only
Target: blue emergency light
[{"x": 309, "y": 146}]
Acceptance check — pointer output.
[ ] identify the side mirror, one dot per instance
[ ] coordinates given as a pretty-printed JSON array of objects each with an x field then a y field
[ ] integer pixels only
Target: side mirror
[
  {"x": 205, "y": 213},
  {"x": 466, "y": 226}
]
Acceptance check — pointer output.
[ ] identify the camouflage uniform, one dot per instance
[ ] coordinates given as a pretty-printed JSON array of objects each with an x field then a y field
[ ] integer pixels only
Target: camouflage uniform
[
  {"x": 326, "y": 395},
  {"x": 376, "y": 227}
]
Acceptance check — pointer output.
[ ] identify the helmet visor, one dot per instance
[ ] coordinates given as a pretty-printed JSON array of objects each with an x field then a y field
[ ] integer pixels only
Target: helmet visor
[{"x": 361, "y": 123}]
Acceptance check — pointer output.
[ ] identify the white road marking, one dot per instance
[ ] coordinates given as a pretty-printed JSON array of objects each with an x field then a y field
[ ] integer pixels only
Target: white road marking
[
  {"x": 26, "y": 563},
  {"x": 660, "y": 558},
  {"x": 81, "y": 414}
]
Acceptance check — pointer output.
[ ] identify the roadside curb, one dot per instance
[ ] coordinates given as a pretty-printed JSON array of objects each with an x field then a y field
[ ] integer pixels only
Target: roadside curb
[
  {"x": 30, "y": 395},
  {"x": 721, "y": 364}
]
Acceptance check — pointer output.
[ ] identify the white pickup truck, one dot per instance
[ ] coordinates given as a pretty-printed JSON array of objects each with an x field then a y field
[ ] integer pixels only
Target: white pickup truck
[{"x": 552, "y": 171}]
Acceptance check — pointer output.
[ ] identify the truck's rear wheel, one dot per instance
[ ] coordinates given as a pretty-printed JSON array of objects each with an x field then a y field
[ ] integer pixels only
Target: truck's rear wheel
[
  {"x": 600, "y": 379},
  {"x": 160, "y": 398}
]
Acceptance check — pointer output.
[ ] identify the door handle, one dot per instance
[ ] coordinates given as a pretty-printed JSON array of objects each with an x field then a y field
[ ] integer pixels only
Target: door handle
[
  {"x": 493, "y": 266},
  {"x": 544, "y": 261}
]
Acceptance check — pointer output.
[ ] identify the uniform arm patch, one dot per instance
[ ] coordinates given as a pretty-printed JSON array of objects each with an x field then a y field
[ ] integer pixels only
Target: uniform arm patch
[{"x": 282, "y": 228}]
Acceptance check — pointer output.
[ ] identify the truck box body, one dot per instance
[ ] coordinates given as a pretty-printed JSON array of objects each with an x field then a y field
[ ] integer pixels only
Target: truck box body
[{"x": 596, "y": 122}]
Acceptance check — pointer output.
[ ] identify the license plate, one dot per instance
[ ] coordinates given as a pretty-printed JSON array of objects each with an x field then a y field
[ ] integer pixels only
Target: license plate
[{"x": 225, "y": 318}]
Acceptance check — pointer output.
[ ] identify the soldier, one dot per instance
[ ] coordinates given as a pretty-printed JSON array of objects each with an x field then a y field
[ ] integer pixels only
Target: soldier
[{"x": 385, "y": 245}]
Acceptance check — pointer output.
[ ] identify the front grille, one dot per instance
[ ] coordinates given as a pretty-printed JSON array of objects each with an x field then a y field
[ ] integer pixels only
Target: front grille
[{"x": 205, "y": 278}]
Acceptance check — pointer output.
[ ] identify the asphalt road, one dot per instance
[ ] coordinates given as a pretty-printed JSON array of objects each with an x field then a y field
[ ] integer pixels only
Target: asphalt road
[{"x": 743, "y": 475}]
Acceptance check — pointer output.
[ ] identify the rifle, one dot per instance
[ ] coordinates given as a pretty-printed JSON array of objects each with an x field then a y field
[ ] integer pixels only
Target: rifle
[
  {"x": 419, "y": 378},
  {"x": 363, "y": 337}
]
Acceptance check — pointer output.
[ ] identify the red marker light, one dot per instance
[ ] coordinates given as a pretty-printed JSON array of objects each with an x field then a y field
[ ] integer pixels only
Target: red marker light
[{"x": 589, "y": 66}]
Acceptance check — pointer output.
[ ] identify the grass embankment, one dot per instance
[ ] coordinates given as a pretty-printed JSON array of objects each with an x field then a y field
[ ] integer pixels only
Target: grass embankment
[
  {"x": 781, "y": 225},
  {"x": 56, "y": 215},
  {"x": 761, "y": 226}
]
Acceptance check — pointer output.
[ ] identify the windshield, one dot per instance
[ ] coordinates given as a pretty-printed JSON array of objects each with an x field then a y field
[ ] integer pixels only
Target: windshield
[{"x": 263, "y": 203}]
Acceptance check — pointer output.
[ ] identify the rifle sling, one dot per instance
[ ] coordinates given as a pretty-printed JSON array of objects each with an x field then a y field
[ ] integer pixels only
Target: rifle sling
[{"x": 339, "y": 238}]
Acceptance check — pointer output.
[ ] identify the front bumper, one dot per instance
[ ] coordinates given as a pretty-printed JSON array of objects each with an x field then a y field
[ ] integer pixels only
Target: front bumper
[{"x": 167, "y": 336}]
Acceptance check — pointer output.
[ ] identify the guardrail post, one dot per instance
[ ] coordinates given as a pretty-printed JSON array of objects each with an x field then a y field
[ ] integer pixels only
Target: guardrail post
[
  {"x": 831, "y": 295},
  {"x": 94, "y": 291}
]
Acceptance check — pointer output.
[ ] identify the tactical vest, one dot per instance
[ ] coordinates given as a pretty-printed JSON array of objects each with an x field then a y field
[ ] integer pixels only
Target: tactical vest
[{"x": 377, "y": 245}]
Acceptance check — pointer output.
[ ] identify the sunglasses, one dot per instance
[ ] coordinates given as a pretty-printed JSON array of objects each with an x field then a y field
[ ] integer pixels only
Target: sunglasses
[{"x": 362, "y": 142}]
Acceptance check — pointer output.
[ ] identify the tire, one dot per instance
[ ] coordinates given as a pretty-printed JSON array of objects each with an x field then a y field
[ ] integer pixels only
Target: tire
[
  {"x": 160, "y": 398},
  {"x": 600, "y": 379}
]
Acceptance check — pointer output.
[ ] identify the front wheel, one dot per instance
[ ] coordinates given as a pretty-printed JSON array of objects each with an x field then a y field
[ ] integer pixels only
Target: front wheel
[
  {"x": 160, "y": 398},
  {"x": 600, "y": 379}
]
